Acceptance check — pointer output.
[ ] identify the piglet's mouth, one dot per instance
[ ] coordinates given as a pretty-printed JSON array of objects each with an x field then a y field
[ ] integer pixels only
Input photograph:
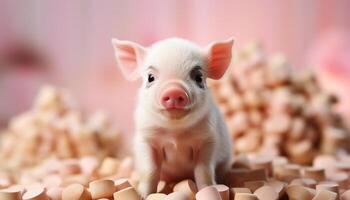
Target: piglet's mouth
[{"x": 175, "y": 113}]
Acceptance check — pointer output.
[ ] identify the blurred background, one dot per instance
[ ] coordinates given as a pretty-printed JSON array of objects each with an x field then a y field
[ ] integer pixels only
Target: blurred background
[{"x": 68, "y": 43}]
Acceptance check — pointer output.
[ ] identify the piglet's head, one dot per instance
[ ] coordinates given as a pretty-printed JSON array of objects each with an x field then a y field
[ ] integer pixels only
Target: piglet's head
[{"x": 174, "y": 73}]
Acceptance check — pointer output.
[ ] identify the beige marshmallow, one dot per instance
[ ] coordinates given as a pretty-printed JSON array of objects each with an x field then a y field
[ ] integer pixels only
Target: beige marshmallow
[
  {"x": 163, "y": 187},
  {"x": 79, "y": 178},
  {"x": 325, "y": 195},
  {"x": 208, "y": 193},
  {"x": 187, "y": 187},
  {"x": 317, "y": 174},
  {"x": 345, "y": 195},
  {"x": 17, "y": 187},
  {"x": 35, "y": 193},
  {"x": 245, "y": 196},
  {"x": 52, "y": 181},
  {"x": 253, "y": 185},
  {"x": 109, "y": 166},
  {"x": 70, "y": 167},
  {"x": 234, "y": 191},
  {"x": 156, "y": 196},
  {"x": 89, "y": 165},
  {"x": 298, "y": 192},
  {"x": 307, "y": 182},
  {"x": 266, "y": 193},
  {"x": 127, "y": 193},
  {"x": 278, "y": 186},
  {"x": 223, "y": 190},
  {"x": 75, "y": 192},
  {"x": 55, "y": 193},
  {"x": 341, "y": 178},
  {"x": 121, "y": 183},
  {"x": 333, "y": 187},
  {"x": 6, "y": 194},
  {"x": 288, "y": 172},
  {"x": 176, "y": 196},
  {"x": 239, "y": 176},
  {"x": 102, "y": 189},
  {"x": 261, "y": 163}
]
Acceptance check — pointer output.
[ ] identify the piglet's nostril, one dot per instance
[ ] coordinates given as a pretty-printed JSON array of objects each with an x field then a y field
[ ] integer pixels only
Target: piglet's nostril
[{"x": 166, "y": 98}]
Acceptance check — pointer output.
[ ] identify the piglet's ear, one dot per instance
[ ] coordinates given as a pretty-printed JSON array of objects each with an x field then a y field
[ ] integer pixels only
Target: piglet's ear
[
  {"x": 219, "y": 58},
  {"x": 130, "y": 57}
]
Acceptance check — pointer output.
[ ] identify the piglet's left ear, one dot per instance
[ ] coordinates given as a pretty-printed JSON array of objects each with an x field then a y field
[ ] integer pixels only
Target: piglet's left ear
[{"x": 219, "y": 58}]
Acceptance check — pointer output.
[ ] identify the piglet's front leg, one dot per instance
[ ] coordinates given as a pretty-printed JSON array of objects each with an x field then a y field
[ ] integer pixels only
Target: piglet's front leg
[
  {"x": 204, "y": 172},
  {"x": 148, "y": 168}
]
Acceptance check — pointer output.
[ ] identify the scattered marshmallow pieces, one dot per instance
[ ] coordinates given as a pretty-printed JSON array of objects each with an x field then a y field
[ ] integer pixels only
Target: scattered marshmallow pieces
[
  {"x": 54, "y": 127},
  {"x": 272, "y": 110}
]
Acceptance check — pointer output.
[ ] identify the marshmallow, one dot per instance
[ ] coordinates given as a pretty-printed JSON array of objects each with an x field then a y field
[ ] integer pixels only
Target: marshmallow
[
  {"x": 333, "y": 187},
  {"x": 127, "y": 193},
  {"x": 55, "y": 193},
  {"x": 101, "y": 189},
  {"x": 187, "y": 187},
  {"x": 266, "y": 193},
  {"x": 35, "y": 193},
  {"x": 253, "y": 185},
  {"x": 121, "y": 183},
  {"x": 345, "y": 195},
  {"x": 163, "y": 187},
  {"x": 234, "y": 191},
  {"x": 317, "y": 174},
  {"x": 109, "y": 166},
  {"x": 6, "y": 194},
  {"x": 325, "y": 195},
  {"x": 245, "y": 196},
  {"x": 208, "y": 193},
  {"x": 156, "y": 196},
  {"x": 297, "y": 192},
  {"x": 75, "y": 192},
  {"x": 223, "y": 190}
]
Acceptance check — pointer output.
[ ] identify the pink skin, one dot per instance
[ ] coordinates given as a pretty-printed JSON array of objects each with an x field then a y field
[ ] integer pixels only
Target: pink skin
[{"x": 174, "y": 97}]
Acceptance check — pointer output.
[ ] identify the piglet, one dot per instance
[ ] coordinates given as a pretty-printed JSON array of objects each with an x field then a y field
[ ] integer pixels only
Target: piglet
[{"x": 180, "y": 132}]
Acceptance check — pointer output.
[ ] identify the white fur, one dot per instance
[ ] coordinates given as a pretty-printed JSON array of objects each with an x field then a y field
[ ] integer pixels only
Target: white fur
[{"x": 195, "y": 146}]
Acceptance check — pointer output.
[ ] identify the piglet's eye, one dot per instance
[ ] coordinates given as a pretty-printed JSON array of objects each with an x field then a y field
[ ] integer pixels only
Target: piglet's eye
[
  {"x": 151, "y": 78},
  {"x": 197, "y": 76}
]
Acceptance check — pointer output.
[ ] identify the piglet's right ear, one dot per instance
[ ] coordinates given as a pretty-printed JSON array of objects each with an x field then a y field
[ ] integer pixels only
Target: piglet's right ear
[{"x": 130, "y": 57}]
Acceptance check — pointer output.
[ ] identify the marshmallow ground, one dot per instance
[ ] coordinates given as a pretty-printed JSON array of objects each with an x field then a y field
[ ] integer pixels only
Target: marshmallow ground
[{"x": 91, "y": 178}]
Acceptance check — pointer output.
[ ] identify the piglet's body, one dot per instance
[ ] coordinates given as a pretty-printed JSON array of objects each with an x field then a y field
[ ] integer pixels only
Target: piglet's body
[{"x": 180, "y": 132}]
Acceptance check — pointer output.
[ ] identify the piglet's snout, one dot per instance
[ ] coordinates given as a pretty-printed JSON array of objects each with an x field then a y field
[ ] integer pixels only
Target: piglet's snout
[{"x": 174, "y": 97}]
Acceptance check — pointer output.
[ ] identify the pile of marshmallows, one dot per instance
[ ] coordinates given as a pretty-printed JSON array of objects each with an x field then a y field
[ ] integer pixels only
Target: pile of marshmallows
[
  {"x": 251, "y": 178},
  {"x": 55, "y": 127},
  {"x": 272, "y": 110}
]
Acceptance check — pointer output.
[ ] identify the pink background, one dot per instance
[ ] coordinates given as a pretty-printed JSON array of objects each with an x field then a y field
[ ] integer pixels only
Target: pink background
[{"x": 74, "y": 37}]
